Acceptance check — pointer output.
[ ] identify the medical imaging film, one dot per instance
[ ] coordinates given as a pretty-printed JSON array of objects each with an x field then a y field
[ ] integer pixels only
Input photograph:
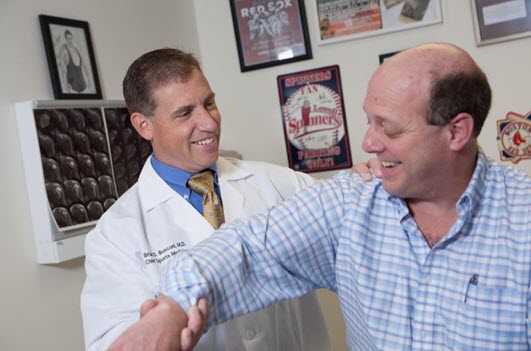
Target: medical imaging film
[
  {"x": 129, "y": 150},
  {"x": 83, "y": 175}
]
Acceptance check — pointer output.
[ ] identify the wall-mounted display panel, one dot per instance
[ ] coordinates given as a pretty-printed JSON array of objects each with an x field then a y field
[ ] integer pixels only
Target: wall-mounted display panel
[{"x": 79, "y": 157}]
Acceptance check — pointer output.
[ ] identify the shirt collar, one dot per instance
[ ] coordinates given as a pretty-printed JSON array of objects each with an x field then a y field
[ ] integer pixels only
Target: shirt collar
[
  {"x": 476, "y": 187},
  {"x": 468, "y": 200},
  {"x": 176, "y": 175}
]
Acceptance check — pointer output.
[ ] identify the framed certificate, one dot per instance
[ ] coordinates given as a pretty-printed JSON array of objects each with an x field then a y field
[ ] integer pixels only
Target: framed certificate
[
  {"x": 341, "y": 20},
  {"x": 270, "y": 33},
  {"x": 313, "y": 115},
  {"x": 501, "y": 20}
]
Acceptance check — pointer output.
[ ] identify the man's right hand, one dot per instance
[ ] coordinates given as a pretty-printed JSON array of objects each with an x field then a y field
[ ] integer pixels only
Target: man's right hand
[
  {"x": 363, "y": 169},
  {"x": 164, "y": 326}
]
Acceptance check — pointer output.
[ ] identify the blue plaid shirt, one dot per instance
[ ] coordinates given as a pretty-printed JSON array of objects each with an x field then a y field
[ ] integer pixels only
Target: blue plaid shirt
[{"x": 470, "y": 291}]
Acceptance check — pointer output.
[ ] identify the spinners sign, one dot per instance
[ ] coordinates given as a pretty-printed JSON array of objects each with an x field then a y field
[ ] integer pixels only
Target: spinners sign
[{"x": 314, "y": 120}]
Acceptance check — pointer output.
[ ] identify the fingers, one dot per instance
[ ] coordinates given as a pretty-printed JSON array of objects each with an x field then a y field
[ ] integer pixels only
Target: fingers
[
  {"x": 363, "y": 170},
  {"x": 197, "y": 322},
  {"x": 203, "y": 308},
  {"x": 376, "y": 167},
  {"x": 146, "y": 306},
  {"x": 187, "y": 340}
]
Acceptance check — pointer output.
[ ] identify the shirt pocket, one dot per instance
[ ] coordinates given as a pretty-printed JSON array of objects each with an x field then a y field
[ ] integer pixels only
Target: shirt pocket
[{"x": 492, "y": 318}]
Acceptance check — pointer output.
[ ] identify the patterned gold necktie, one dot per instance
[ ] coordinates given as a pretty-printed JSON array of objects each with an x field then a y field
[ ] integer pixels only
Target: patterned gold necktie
[{"x": 203, "y": 184}]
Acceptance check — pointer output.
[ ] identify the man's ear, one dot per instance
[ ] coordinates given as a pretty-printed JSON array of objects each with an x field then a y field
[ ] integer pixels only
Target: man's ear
[
  {"x": 143, "y": 125},
  {"x": 461, "y": 131}
]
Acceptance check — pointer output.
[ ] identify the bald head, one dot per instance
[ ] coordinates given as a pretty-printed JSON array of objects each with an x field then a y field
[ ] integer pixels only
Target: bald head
[
  {"x": 435, "y": 58},
  {"x": 450, "y": 78}
]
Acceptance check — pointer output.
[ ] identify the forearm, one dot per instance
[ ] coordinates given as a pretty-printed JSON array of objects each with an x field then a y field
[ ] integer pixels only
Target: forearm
[{"x": 252, "y": 264}]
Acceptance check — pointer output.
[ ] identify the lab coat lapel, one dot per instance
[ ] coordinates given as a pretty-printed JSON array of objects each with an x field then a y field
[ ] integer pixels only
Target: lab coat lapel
[
  {"x": 187, "y": 217},
  {"x": 157, "y": 195},
  {"x": 233, "y": 199}
]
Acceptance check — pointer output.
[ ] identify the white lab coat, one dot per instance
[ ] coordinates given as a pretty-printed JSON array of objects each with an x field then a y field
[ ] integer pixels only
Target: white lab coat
[{"x": 134, "y": 239}]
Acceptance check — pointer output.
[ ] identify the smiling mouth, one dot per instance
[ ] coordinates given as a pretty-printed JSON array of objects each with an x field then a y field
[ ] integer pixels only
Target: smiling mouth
[
  {"x": 206, "y": 141},
  {"x": 390, "y": 164}
]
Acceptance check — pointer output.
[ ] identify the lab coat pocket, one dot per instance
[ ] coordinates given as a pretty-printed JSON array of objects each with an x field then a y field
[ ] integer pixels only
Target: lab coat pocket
[{"x": 491, "y": 318}]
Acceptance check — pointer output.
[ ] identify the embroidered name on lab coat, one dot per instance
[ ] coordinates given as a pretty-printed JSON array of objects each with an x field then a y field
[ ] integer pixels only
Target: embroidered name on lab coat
[{"x": 163, "y": 254}]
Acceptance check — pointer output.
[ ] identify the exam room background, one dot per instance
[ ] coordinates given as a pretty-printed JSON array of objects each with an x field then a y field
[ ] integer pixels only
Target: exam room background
[{"x": 39, "y": 303}]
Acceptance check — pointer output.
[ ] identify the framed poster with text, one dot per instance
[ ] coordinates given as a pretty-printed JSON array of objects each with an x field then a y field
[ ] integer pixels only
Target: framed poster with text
[
  {"x": 270, "y": 33},
  {"x": 313, "y": 114}
]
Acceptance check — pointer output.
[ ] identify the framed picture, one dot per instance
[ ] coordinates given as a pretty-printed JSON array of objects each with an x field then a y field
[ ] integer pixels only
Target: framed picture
[
  {"x": 383, "y": 57},
  {"x": 270, "y": 33},
  {"x": 341, "y": 20},
  {"x": 501, "y": 20},
  {"x": 70, "y": 58},
  {"x": 513, "y": 137},
  {"x": 313, "y": 114}
]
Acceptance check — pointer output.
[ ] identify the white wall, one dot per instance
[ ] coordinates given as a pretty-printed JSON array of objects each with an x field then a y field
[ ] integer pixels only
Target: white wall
[
  {"x": 40, "y": 304},
  {"x": 249, "y": 102}
]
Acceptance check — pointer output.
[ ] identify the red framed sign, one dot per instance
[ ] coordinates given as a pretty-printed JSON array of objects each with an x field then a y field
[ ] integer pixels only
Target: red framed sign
[
  {"x": 270, "y": 33},
  {"x": 315, "y": 126}
]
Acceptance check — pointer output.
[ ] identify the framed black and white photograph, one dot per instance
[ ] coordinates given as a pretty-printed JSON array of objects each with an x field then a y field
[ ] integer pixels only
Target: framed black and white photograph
[
  {"x": 70, "y": 57},
  {"x": 270, "y": 33},
  {"x": 501, "y": 20}
]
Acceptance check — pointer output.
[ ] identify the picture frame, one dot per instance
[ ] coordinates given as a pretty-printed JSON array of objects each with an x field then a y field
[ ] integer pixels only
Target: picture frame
[
  {"x": 340, "y": 20},
  {"x": 70, "y": 56},
  {"x": 383, "y": 57},
  {"x": 314, "y": 120},
  {"x": 270, "y": 33},
  {"x": 500, "y": 20}
]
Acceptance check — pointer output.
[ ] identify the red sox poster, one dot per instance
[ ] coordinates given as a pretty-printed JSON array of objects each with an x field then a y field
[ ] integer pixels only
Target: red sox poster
[{"x": 315, "y": 125}]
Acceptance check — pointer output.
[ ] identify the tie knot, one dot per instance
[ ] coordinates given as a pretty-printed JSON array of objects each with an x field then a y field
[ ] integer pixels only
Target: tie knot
[{"x": 202, "y": 183}]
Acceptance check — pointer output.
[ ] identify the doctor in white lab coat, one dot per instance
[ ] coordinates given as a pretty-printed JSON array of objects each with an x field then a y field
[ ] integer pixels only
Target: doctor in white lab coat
[{"x": 135, "y": 238}]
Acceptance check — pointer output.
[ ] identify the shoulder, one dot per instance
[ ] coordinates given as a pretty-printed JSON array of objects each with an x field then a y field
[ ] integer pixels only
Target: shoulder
[
  {"x": 515, "y": 181},
  {"x": 353, "y": 183},
  {"x": 278, "y": 175},
  {"x": 126, "y": 204},
  {"x": 507, "y": 193},
  {"x": 122, "y": 217},
  {"x": 350, "y": 191}
]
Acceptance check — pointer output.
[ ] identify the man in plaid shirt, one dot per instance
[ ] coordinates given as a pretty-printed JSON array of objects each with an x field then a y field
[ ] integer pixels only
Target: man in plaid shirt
[{"x": 435, "y": 256}]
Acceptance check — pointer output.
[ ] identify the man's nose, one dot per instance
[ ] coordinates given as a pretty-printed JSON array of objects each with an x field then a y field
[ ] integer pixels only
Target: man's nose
[
  {"x": 371, "y": 142},
  {"x": 208, "y": 119}
]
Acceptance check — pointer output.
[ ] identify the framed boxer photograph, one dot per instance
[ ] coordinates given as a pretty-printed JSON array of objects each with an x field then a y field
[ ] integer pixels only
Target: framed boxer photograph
[
  {"x": 313, "y": 115},
  {"x": 70, "y": 57},
  {"x": 500, "y": 20},
  {"x": 270, "y": 33}
]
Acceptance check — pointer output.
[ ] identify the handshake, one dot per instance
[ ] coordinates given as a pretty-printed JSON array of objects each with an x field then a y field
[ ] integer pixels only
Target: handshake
[{"x": 164, "y": 325}]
